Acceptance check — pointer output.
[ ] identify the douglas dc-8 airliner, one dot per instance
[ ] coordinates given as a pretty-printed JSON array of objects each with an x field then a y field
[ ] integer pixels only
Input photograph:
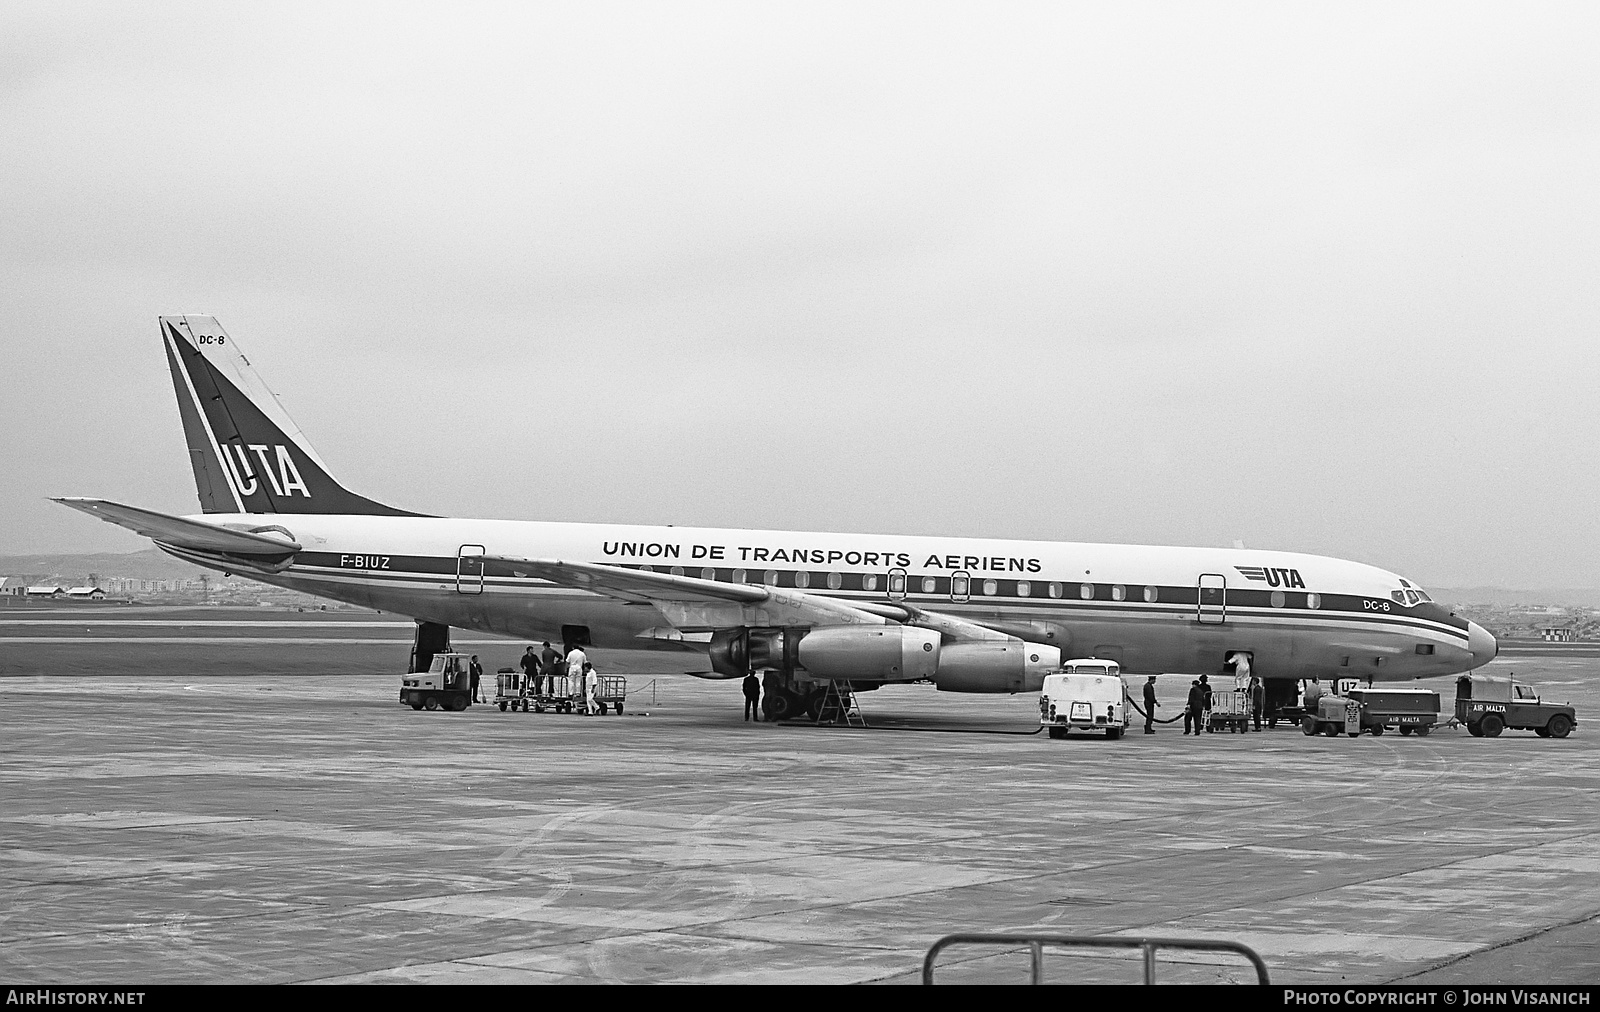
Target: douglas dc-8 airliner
[{"x": 806, "y": 608}]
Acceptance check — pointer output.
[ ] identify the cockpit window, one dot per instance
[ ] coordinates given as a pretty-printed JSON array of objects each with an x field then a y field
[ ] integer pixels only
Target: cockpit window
[{"x": 1409, "y": 594}]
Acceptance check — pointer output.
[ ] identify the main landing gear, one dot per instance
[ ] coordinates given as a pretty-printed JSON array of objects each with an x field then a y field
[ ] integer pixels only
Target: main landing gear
[{"x": 785, "y": 698}]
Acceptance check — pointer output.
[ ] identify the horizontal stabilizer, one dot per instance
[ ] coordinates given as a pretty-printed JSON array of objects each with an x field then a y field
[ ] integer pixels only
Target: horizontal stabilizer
[{"x": 181, "y": 533}]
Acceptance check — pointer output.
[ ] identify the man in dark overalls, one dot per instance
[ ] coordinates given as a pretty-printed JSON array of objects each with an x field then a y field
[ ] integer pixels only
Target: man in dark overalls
[
  {"x": 752, "y": 697},
  {"x": 1150, "y": 705},
  {"x": 1258, "y": 699},
  {"x": 549, "y": 666},
  {"x": 475, "y": 670},
  {"x": 530, "y": 670},
  {"x": 1192, "y": 715},
  {"x": 1205, "y": 700}
]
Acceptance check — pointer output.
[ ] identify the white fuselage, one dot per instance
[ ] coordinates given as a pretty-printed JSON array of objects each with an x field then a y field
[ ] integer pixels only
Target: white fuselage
[{"x": 1152, "y": 609}]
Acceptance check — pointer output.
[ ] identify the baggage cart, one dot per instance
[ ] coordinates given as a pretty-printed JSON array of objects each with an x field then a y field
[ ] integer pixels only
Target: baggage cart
[
  {"x": 510, "y": 691},
  {"x": 1229, "y": 709},
  {"x": 559, "y": 694},
  {"x": 613, "y": 693}
]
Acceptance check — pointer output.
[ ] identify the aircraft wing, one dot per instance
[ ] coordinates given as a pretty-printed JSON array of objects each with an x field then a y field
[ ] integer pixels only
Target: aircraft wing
[
  {"x": 692, "y": 604},
  {"x": 951, "y": 628},
  {"x": 185, "y": 534}
]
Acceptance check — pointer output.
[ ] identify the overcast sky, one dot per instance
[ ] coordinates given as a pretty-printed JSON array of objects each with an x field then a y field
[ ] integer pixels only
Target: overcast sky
[{"x": 1315, "y": 278}]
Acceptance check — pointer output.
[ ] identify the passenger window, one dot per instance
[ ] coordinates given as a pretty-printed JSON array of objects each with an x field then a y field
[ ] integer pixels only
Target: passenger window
[
  {"x": 1277, "y": 599},
  {"x": 897, "y": 583},
  {"x": 677, "y": 570},
  {"x": 708, "y": 574},
  {"x": 1086, "y": 591},
  {"x": 647, "y": 569},
  {"x": 739, "y": 575},
  {"x": 835, "y": 581},
  {"x": 991, "y": 588},
  {"x": 1024, "y": 588},
  {"x": 802, "y": 579},
  {"x": 869, "y": 582},
  {"x": 1151, "y": 595},
  {"x": 1054, "y": 589},
  {"x": 958, "y": 587},
  {"x": 1118, "y": 592},
  {"x": 770, "y": 578},
  {"x": 928, "y": 583},
  {"x": 1427, "y": 648},
  {"x": 1313, "y": 601}
]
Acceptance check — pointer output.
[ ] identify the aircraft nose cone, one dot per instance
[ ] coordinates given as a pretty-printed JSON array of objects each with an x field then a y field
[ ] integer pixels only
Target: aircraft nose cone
[{"x": 1481, "y": 644}]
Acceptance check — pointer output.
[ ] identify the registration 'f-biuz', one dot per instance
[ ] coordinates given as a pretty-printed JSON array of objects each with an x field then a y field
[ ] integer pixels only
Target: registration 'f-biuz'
[{"x": 968, "y": 615}]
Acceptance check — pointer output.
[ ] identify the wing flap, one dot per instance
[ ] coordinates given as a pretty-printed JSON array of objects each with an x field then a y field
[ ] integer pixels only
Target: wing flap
[{"x": 181, "y": 533}]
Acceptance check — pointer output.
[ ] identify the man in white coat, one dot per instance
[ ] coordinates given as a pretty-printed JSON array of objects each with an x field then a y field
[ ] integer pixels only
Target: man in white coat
[
  {"x": 576, "y": 659},
  {"x": 591, "y": 689}
]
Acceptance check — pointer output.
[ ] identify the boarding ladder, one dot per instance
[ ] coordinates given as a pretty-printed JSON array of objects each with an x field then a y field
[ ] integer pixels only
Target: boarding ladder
[{"x": 839, "y": 706}]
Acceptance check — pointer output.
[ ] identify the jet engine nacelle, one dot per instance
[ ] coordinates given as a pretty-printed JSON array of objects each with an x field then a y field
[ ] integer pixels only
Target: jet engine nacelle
[
  {"x": 867, "y": 653},
  {"x": 874, "y": 653},
  {"x": 995, "y": 666}
]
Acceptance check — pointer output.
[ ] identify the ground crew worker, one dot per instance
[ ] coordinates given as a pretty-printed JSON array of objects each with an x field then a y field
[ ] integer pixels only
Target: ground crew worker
[
  {"x": 1313, "y": 693},
  {"x": 591, "y": 689},
  {"x": 1192, "y": 713},
  {"x": 752, "y": 697},
  {"x": 550, "y": 666},
  {"x": 1150, "y": 705},
  {"x": 476, "y": 671},
  {"x": 576, "y": 659},
  {"x": 1258, "y": 699},
  {"x": 1205, "y": 698},
  {"x": 572, "y": 667},
  {"x": 530, "y": 669}
]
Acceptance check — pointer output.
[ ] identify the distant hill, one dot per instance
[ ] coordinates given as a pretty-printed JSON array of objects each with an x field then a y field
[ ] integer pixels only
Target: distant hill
[
  {"x": 150, "y": 564},
  {"x": 1501, "y": 597}
]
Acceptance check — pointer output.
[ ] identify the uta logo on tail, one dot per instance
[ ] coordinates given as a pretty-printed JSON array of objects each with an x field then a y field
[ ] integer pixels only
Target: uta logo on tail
[{"x": 286, "y": 481}]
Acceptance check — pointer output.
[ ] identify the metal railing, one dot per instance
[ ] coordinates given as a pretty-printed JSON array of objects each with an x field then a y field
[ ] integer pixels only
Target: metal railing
[{"x": 1036, "y": 944}]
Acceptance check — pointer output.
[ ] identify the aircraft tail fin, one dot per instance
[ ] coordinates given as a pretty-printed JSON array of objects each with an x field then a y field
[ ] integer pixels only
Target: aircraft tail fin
[{"x": 247, "y": 453}]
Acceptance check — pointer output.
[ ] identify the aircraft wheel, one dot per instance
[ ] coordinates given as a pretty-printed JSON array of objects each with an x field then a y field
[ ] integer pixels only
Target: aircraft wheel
[
  {"x": 814, "y": 704},
  {"x": 1560, "y": 726},
  {"x": 1491, "y": 726},
  {"x": 432, "y": 702},
  {"x": 780, "y": 705}
]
